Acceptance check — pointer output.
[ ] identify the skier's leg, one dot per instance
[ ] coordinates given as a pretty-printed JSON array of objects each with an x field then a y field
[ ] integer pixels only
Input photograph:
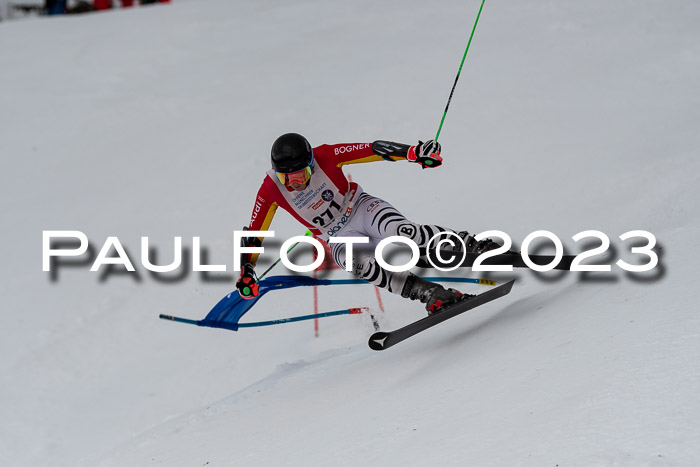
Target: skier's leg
[
  {"x": 377, "y": 219},
  {"x": 380, "y": 219},
  {"x": 406, "y": 284},
  {"x": 364, "y": 265}
]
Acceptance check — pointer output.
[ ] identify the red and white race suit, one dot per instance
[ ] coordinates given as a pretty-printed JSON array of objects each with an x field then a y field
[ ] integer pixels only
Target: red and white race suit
[{"x": 331, "y": 205}]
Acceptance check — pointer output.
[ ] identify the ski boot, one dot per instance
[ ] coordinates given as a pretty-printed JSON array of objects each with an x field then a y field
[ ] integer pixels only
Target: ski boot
[{"x": 433, "y": 295}]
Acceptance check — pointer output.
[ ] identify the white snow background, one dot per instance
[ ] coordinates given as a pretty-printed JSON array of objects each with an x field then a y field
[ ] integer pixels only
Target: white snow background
[{"x": 157, "y": 122}]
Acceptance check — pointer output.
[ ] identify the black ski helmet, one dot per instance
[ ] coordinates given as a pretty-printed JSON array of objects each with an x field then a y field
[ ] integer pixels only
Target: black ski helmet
[{"x": 291, "y": 152}]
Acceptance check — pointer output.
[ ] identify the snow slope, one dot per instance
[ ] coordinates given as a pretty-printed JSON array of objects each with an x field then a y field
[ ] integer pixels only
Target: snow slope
[{"x": 157, "y": 122}]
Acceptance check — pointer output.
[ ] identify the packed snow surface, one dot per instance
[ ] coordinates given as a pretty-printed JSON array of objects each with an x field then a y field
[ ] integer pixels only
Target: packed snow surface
[{"x": 157, "y": 122}]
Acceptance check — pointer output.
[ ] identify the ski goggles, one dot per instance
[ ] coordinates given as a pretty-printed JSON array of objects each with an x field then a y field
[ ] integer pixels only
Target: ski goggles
[{"x": 300, "y": 176}]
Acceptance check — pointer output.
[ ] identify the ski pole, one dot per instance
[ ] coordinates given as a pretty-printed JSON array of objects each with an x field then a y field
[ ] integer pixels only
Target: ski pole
[
  {"x": 459, "y": 71},
  {"x": 234, "y": 326},
  {"x": 307, "y": 233},
  {"x": 349, "y": 311}
]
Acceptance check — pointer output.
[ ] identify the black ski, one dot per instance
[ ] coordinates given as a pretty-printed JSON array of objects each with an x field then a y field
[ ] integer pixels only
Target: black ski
[
  {"x": 510, "y": 258},
  {"x": 384, "y": 340}
]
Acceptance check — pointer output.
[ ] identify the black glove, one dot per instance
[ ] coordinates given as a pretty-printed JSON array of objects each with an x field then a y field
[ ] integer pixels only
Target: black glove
[
  {"x": 247, "y": 284},
  {"x": 426, "y": 154}
]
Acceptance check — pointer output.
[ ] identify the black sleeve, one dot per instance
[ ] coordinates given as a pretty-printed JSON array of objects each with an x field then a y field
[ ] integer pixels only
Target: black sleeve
[
  {"x": 248, "y": 242},
  {"x": 385, "y": 149}
]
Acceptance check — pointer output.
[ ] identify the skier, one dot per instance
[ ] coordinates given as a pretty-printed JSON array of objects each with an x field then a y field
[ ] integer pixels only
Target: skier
[{"x": 309, "y": 184}]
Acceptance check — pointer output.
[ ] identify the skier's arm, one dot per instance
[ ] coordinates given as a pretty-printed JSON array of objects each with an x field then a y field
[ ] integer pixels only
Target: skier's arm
[
  {"x": 261, "y": 218},
  {"x": 426, "y": 154}
]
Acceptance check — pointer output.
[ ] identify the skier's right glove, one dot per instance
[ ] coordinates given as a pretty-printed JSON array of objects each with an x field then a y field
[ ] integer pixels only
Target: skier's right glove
[
  {"x": 426, "y": 154},
  {"x": 247, "y": 284}
]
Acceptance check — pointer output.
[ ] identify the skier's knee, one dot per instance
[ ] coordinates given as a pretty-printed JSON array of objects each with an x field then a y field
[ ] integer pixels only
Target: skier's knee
[
  {"x": 364, "y": 267},
  {"x": 421, "y": 234},
  {"x": 408, "y": 229}
]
